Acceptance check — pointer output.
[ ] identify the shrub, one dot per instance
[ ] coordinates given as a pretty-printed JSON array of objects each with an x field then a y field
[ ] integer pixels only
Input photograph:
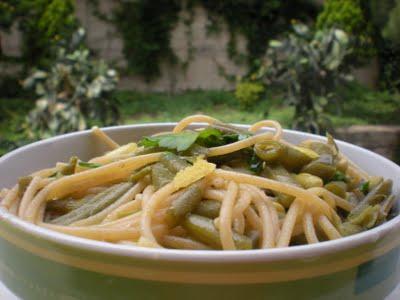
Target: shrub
[
  {"x": 348, "y": 16},
  {"x": 73, "y": 94},
  {"x": 249, "y": 93},
  {"x": 306, "y": 67}
]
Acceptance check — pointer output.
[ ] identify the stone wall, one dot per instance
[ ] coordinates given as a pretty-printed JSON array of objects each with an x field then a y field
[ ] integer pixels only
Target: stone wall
[
  {"x": 384, "y": 140},
  {"x": 202, "y": 71}
]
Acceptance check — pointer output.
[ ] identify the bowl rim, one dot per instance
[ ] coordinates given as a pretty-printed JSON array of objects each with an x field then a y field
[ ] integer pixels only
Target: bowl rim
[{"x": 210, "y": 256}]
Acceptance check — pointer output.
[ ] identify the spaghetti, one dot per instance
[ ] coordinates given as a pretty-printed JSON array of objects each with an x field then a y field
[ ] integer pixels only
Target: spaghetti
[{"x": 217, "y": 187}]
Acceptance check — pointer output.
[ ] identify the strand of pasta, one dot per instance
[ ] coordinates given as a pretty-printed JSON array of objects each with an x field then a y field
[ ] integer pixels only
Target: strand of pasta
[
  {"x": 192, "y": 119},
  {"x": 126, "y": 209},
  {"x": 213, "y": 194},
  {"x": 288, "y": 223},
  {"x": 147, "y": 193},
  {"x": 271, "y": 208},
  {"x": 10, "y": 198},
  {"x": 340, "y": 202},
  {"x": 178, "y": 242},
  {"x": 99, "y": 217},
  {"x": 252, "y": 218},
  {"x": 239, "y": 224},
  {"x": 226, "y": 234},
  {"x": 268, "y": 123},
  {"x": 267, "y": 228},
  {"x": 313, "y": 202},
  {"x": 328, "y": 228},
  {"x": 309, "y": 229},
  {"x": 30, "y": 192},
  {"x": 105, "y": 138},
  {"x": 236, "y": 146},
  {"x": 14, "y": 207},
  {"x": 102, "y": 175},
  {"x": 149, "y": 209}
]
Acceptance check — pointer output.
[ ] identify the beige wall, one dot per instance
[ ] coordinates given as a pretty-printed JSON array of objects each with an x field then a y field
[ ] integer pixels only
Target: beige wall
[{"x": 201, "y": 73}]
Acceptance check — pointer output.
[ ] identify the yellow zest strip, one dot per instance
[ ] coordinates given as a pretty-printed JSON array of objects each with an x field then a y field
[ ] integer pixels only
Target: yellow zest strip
[{"x": 189, "y": 175}]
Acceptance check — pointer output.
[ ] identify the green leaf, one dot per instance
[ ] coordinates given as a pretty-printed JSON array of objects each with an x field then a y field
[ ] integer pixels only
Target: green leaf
[
  {"x": 364, "y": 187},
  {"x": 88, "y": 165},
  {"x": 177, "y": 141},
  {"x": 339, "y": 176}
]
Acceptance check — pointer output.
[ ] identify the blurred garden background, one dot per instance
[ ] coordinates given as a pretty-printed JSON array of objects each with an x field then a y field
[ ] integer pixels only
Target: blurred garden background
[{"x": 314, "y": 65}]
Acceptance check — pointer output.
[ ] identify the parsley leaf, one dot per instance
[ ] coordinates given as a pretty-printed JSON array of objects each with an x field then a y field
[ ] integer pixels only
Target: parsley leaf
[
  {"x": 255, "y": 164},
  {"x": 364, "y": 187},
  {"x": 339, "y": 176},
  {"x": 176, "y": 141},
  {"x": 89, "y": 165}
]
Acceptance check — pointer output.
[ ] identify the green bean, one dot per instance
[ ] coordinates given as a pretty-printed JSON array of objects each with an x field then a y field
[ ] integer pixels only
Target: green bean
[
  {"x": 94, "y": 205},
  {"x": 339, "y": 188},
  {"x": 69, "y": 169},
  {"x": 348, "y": 228},
  {"x": 280, "y": 174},
  {"x": 203, "y": 230},
  {"x": 23, "y": 183},
  {"x": 385, "y": 208},
  {"x": 269, "y": 151},
  {"x": 321, "y": 148},
  {"x": 173, "y": 162},
  {"x": 322, "y": 167},
  {"x": 140, "y": 174},
  {"x": 196, "y": 150},
  {"x": 208, "y": 208},
  {"x": 308, "y": 181},
  {"x": 295, "y": 158},
  {"x": 148, "y": 150},
  {"x": 374, "y": 181},
  {"x": 375, "y": 196},
  {"x": 160, "y": 175},
  {"x": 66, "y": 205},
  {"x": 185, "y": 203},
  {"x": 367, "y": 218}
]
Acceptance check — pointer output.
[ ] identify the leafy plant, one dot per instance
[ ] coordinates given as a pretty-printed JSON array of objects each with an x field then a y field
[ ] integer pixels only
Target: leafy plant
[
  {"x": 249, "y": 93},
  {"x": 348, "y": 15},
  {"x": 306, "y": 66},
  {"x": 74, "y": 94}
]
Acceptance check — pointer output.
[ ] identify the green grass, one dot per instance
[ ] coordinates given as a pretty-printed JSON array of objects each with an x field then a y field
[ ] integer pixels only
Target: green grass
[{"x": 163, "y": 107}]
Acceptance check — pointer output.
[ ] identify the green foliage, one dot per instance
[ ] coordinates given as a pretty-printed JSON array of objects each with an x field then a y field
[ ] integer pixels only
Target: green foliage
[
  {"x": 392, "y": 29},
  {"x": 43, "y": 24},
  {"x": 146, "y": 27},
  {"x": 73, "y": 94},
  {"x": 257, "y": 20},
  {"x": 306, "y": 66},
  {"x": 349, "y": 16},
  {"x": 249, "y": 93},
  {"x": 8, "y": 13},
  {"x": 377, "y": 107}
]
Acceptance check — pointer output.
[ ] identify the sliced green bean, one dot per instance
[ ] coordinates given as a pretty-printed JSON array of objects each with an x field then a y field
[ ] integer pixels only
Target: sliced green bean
[
  {"x": 203, "y": 230},
  {"x": 208, "y": 208},
  {"x": 308, "y": 181},
  {"x": 321, "y": 148},
  {"x": 94, "y": 205},
  {"x": 64, "y": 206},
  {"x": 322, "y": 167},
  {"x": 348, "y": 228},
  {"x": 367, "y": 218},
  {"x": 173, "y": 162},
  {"x": 160, "y": 175},
  {"x": 295, "y": 158},
  {"x": 280, "y": 174},
  {"x": 140, "y": 174},
  {"x": 339, "y": 188},
  {"x": 185, "y": 203},
  {"x": 23, "y": 183},
  {"x": 69, "y": 169},
  {"x": 270, "y": 151}
]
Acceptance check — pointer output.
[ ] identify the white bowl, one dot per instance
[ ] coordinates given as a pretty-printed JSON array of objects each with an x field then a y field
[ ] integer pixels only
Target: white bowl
[{"x": 40, "y": 264}]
